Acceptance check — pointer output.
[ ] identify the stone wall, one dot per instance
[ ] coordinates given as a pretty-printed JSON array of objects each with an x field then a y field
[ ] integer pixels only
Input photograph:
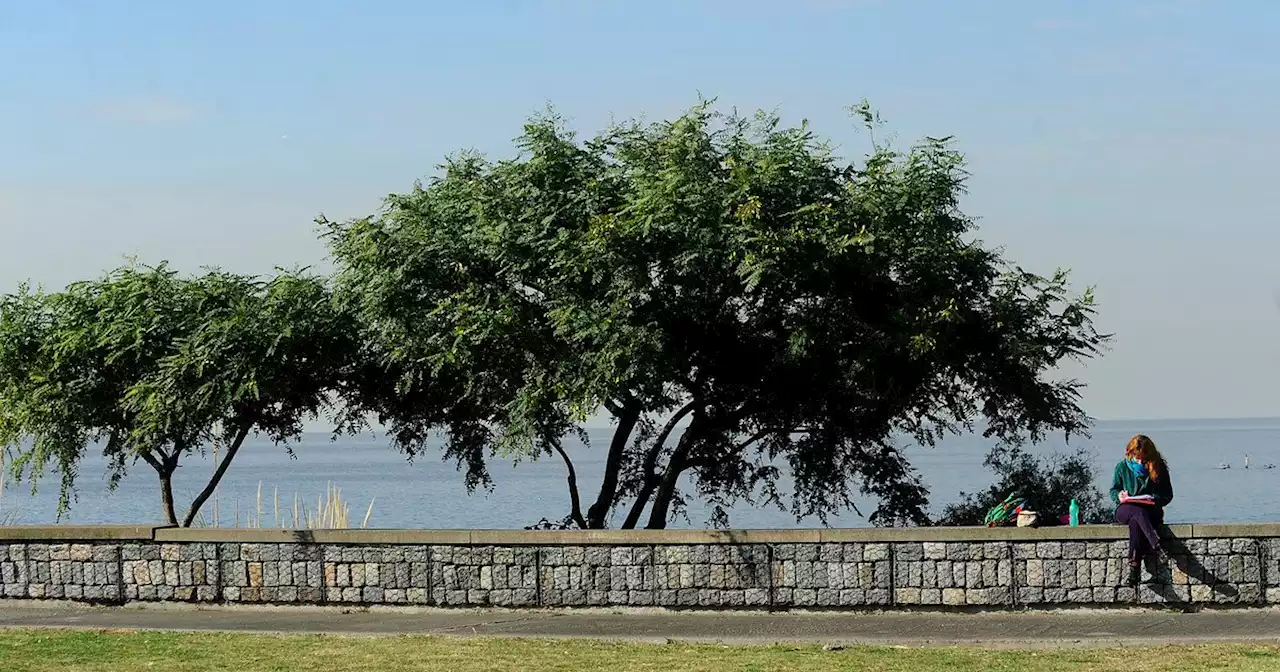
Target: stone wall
[{"x": 748, "y": 569}]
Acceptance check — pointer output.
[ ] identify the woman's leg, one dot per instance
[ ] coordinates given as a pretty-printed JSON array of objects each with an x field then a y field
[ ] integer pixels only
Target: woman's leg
[{"x": 1143, "y": 535}]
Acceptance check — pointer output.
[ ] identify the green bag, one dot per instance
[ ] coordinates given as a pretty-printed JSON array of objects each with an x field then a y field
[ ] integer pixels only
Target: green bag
[{"x": 1006, "y": 511}]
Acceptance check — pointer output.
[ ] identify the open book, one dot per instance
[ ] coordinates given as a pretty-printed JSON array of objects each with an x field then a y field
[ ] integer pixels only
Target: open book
[{"x": 1138, "y": 498}]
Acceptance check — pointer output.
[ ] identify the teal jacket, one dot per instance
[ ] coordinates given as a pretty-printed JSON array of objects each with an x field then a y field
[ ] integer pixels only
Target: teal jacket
[{"x": 1127, "y": 481}]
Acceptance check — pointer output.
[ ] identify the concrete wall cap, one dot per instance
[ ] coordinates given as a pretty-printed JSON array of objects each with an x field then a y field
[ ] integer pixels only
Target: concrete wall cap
[
  {"x": 617, "y": 537},
  {"x": 77, "y": 532}
]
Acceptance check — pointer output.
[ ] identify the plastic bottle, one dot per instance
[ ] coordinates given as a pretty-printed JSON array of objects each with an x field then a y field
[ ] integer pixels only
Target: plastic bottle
[{"x": 1075, "y": 513}]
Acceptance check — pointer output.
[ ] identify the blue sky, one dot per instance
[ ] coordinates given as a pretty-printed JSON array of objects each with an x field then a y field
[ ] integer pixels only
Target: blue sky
[{"x": 1130, "y": 141}]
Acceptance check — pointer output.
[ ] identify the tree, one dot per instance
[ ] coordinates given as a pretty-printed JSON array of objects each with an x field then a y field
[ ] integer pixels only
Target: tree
[
  {"x": 1048, "y": 484},
  {"x": 748, "y": 309},
  {"x": 151, "y": 365}
]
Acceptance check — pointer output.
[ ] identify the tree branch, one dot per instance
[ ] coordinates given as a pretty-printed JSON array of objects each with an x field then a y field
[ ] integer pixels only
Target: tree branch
[
  {"x": 667, "y": 487},
  {"x": 151, "y": 460},
  {"x": 650, "y": 469},
  {"x": 575, "y": 502},
  {"x": 217, "y": 475}
]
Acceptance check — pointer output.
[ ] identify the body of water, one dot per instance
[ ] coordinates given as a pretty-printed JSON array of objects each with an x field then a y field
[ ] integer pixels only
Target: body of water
[{"x": 428, "y": 493}]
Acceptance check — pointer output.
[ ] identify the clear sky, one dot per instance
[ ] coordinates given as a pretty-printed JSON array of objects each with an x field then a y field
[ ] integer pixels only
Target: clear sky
[{"x": 1133, "y": 142}]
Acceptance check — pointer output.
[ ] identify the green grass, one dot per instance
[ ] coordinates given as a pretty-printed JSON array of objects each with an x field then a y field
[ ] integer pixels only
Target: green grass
[{"x": 67, "y": 651}]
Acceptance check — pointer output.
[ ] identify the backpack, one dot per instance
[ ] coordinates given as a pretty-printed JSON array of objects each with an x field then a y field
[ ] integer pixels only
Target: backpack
[{"x": 1005, "y": 512}]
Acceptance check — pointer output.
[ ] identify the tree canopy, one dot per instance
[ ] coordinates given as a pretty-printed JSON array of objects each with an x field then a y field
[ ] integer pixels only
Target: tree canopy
[
  {"x": 149, "y": 364},
  {"x": 757, "y": 315}
]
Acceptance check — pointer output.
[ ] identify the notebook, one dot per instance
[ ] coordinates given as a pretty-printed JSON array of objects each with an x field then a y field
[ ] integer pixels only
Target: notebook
[{"x": 1139, "y": 498}]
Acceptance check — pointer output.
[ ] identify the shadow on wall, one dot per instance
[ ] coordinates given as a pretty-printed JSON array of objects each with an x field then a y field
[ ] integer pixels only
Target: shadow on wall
[{"x": 1194, "y": 575}]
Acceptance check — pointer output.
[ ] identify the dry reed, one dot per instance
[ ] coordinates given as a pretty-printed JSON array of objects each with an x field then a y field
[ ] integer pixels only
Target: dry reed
[{"x": 331, "y": 512}]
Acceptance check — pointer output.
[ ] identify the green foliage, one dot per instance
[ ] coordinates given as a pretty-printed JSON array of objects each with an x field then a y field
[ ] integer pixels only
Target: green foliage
[
  {"x": 800, "y": 313},
  {"x": 1048, "y": 484},
  {"x": 149, "y": 364}
]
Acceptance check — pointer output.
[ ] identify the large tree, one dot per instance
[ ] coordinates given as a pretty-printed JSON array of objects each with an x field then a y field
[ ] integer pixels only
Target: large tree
[
  {"x": 752, "y": 312},
  {"x": 152, "y": 365}
]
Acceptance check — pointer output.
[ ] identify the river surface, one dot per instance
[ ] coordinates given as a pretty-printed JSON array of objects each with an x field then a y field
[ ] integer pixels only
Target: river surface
[{"x": 428, "y": 493}]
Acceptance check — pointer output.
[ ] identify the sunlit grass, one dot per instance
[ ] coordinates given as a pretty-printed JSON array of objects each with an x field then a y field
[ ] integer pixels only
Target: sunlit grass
[{"x": 57, "y": 651}]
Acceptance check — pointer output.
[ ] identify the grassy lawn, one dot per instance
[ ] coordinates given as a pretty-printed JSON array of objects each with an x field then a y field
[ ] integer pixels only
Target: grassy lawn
[{"x": 63, "y": 651}]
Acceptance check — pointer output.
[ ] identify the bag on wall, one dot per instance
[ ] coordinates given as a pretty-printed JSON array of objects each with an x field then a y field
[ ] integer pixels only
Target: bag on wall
[{"x": 1005, "y": 512}]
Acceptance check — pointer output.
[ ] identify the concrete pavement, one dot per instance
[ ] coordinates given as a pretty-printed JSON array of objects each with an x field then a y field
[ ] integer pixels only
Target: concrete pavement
[{"x": 1030, "y": 629}]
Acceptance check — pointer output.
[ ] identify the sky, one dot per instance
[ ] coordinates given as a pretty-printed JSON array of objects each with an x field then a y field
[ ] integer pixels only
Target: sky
[{"x": 1132, "y": 142}]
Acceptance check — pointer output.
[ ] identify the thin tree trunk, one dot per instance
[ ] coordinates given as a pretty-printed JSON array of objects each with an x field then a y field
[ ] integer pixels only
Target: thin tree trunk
[
  {"x": 650, "y": 468},
  {"x": 575, "y": 501},
  {"x": 164, "y": 467},
  {"x": 217, "y": 476},
  {"x": 667, "y": 490},
  {"x": 166, "y": 498},
  {"x": 598, "y": 514}
]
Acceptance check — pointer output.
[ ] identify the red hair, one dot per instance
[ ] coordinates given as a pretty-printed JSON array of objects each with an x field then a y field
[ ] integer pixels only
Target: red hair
[{"x": 1143, "y": 449}]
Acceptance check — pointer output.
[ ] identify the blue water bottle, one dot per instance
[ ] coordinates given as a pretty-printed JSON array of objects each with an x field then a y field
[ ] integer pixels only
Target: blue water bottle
[{"x": 1075, "y": 513}]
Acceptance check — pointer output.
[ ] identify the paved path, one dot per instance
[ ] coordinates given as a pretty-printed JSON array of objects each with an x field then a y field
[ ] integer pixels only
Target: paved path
[{"x": 1036, "y": 629}]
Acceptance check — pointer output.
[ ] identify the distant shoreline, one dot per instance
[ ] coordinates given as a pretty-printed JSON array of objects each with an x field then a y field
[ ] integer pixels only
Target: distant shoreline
[{"x": 1100, "y": 423}]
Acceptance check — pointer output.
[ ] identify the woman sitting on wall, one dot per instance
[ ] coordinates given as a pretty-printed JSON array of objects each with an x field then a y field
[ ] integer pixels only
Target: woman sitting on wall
[{"x": 1141, "y": 489}]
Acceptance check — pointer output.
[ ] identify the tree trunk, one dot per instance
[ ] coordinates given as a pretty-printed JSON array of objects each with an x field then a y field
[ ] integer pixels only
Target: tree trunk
[
  {"x": 651, "y": 479},
  {"x": 575, "y": 501},
  {"x": 165, "y": 466},
  {"x": 667, "y": 490},
  {"x": 217, "y": 476},
  {"x": 598, "y": 514},
  {"x": 166, "y": 497},
  {"x": 642, "y": 500}
]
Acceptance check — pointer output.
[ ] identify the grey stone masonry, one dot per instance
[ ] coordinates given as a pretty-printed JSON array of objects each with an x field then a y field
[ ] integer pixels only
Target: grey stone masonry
[
  {"x": 794, "y": 569},
  {"x": 81, "y": 572},
  {"x": 487, "y": 575},
  {"x": 701, "y": 575}
]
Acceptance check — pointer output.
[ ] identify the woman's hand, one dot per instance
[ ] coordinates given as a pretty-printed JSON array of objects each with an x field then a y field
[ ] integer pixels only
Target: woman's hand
[{"x": 1124, "y": 494}]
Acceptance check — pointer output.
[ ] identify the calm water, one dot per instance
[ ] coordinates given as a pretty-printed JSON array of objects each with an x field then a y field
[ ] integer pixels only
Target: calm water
[{"x": 429, "y": 493}]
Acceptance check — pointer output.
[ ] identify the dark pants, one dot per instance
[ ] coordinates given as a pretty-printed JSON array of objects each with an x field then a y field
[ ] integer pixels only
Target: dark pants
[{"x": 1144, "y": 521}]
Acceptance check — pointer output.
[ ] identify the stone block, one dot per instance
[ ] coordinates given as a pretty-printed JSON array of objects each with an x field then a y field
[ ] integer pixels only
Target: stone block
[
  {"x": 908, "y": 552},
  {"x": 953, "y": 597},
  {"x": 1049, "y": 550},
  {"x": 944, "y": 574},
  {"x": 875, "y": 552},
  {"x": 908, "y": 596},
  {"x": 973, "y": 575},
  {"x": 1035, "y": 573},
  {"x": 929, "y": 574},
  {"x": 1080, "y": 595}
]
